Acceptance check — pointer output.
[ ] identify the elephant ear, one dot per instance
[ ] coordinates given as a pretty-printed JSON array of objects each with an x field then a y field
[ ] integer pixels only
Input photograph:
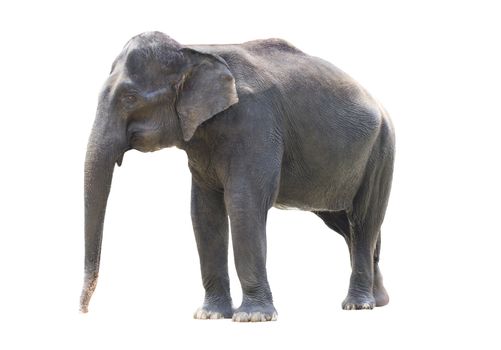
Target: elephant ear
[{"x": 207, "y": 89}]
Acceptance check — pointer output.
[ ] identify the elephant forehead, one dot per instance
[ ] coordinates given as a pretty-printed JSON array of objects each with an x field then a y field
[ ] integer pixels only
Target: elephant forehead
[
  {"x": 150, "y": 68},
  {"x": 159, "y": 57}
]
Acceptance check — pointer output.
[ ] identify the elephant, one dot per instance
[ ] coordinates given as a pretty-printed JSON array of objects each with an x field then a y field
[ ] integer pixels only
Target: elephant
[{"x": 263, "y": 125}]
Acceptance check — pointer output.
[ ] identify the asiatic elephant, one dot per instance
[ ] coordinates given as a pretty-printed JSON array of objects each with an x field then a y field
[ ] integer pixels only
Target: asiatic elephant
[{"x": 263, "y": 124}]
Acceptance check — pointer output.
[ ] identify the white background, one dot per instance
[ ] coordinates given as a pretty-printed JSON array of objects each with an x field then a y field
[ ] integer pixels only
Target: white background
[{"x": 435, "y": 65}]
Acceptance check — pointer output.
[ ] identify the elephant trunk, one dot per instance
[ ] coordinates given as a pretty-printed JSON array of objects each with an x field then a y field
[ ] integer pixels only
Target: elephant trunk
[{"x": 103, "y": 151}]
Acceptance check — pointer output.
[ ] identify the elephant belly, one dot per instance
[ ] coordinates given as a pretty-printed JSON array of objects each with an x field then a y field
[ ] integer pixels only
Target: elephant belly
[
  {"x": 331, "y": 188},
  {"x": 324, "y": 174},
  {"x": 325, "y": 160}
]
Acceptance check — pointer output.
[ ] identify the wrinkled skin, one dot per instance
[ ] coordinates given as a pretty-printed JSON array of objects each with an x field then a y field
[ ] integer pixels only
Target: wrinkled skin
[{"x": 263, "y": 124}]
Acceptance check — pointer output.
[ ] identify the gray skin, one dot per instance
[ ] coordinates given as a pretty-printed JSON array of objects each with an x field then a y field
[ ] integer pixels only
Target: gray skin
[{"x": 263, "y": 124}]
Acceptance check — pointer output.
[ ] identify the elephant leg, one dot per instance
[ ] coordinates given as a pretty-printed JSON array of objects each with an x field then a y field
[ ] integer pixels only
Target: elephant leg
[
  {"x": 366, "y": 282},
  {"x": 360, "y": 292},
  {"x": 366, "y": 216},
  {"x": 247, "y": 206},
  {"x": 210, "y": 224},
  {"x": 339, "y": 222},
  {"x": 379, "y": 291}
]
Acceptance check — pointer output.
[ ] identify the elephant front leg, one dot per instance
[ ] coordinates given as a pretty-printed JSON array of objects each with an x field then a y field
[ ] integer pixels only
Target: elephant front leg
[
  {"x": 210, "y": 224},
  {"x": 248, "y": 228}
]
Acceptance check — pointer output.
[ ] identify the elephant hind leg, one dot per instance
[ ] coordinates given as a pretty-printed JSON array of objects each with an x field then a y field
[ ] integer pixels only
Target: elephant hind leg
[
  {"x": 379, "y": 291},
  {"x": 339, "y": 221},
  {"x": 366, "y": 217}
]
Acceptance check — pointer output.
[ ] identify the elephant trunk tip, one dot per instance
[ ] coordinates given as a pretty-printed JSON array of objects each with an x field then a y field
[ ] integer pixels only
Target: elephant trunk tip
[
  {"x": 84, "y": 309},
  {"x": 90, "y": 284}
]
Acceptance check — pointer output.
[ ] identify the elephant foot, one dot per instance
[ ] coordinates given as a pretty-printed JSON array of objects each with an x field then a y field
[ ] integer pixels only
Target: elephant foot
[
  {"x": 379, "y": 292},
  {"x": 213, "y": 311},
  {"x": 381, "y": 296},
  {"x": 255, "y": 314},
  {"x": 204, "y": 314},
  {"x": 364, "y": 302}
]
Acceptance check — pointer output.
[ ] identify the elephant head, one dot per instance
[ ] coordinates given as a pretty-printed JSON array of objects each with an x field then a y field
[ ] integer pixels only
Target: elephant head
[{"x": 157, "y": 94}]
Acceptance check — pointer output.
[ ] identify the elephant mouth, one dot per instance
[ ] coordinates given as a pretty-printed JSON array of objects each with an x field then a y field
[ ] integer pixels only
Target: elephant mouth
[{"x": 143, "y": 143}]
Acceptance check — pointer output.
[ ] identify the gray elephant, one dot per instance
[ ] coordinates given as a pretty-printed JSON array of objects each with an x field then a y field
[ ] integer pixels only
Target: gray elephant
[{"x": 263, "y": 124}]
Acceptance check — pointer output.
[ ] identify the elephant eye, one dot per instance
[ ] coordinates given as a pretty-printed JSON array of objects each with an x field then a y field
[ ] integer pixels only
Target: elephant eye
[{"x": 130, "y": 98}]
